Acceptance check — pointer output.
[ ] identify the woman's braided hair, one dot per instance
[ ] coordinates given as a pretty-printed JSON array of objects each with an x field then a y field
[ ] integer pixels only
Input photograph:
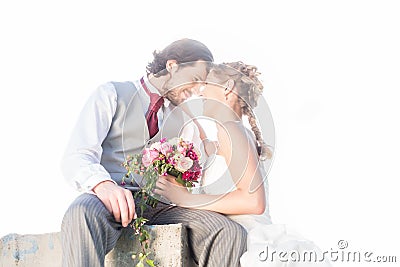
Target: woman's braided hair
[{"x": 249, "y": 89}]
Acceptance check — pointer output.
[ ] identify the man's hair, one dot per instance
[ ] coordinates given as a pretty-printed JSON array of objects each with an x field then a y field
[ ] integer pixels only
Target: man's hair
[{"x": 183, "y": 51}]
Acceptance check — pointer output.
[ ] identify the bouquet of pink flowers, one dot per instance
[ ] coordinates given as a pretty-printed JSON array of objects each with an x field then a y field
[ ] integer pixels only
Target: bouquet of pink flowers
[{"x": 175, "y": 157}]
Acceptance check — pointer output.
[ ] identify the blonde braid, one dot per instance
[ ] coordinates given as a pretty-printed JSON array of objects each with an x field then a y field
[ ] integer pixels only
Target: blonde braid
[
  {"x": 262, "y": 148},
  {"x": 249, "y": 90}
]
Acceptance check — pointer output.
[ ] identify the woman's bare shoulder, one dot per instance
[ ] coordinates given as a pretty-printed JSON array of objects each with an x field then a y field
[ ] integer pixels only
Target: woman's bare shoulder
[{"x": 236, "y": 134}]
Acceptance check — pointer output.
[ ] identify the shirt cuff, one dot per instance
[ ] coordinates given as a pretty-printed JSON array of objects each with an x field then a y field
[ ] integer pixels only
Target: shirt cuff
[{"x": 91, "y": 176}]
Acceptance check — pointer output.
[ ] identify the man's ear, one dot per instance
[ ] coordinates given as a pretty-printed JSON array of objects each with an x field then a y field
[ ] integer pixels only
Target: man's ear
[{"x": 170, "y": 64}]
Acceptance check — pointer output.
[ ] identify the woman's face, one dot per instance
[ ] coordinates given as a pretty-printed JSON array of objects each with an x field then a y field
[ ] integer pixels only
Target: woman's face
[{"x": 213, "y": 93}]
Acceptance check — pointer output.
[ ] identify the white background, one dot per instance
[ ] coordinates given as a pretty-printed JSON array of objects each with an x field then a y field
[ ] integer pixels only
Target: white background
[{"x": 331, "y": 75}]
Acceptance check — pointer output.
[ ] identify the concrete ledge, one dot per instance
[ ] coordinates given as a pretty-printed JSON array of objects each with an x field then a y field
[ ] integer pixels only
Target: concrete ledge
[
  {"x": 30, "y": 250},
  {"x": 168, "y": 245}
]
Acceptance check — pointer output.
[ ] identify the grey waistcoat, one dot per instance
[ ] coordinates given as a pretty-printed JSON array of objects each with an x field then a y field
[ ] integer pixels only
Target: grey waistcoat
[{"x": 128, "y": 132}]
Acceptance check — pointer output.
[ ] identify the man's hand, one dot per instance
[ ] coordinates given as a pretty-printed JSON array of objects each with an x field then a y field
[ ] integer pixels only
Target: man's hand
[{"x": 118, "y": 201}]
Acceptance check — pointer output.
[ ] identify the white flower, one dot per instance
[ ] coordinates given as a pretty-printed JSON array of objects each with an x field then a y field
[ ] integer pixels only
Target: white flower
[{"x": 184, "y": 164}]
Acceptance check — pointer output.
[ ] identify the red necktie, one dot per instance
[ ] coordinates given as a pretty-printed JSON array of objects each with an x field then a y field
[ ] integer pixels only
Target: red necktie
[{"x": 156, "y": 101}]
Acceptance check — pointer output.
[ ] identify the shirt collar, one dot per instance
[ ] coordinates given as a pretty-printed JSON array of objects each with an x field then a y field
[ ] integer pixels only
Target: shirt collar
[{"x": 152, "y": 89}]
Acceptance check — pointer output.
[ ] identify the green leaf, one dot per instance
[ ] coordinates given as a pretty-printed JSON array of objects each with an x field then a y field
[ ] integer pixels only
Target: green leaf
[
  {"x": 150, "y": 263},
  {"x": 179, "y": 180}
]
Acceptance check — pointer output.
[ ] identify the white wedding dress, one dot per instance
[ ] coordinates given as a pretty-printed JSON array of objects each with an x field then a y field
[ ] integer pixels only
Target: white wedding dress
[{"x": 265, "y": 240}]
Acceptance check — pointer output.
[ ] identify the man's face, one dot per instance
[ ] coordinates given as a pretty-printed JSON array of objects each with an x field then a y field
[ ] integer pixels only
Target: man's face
[{"x": 185, "y": 81}]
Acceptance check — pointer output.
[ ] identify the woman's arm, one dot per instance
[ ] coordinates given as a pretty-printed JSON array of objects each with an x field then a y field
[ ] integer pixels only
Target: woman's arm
[{"x": 242, "y": 159}]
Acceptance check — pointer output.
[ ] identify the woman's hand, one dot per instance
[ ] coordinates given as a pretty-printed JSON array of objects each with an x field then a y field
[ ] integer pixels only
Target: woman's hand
[{"x": 169, "y": 188}]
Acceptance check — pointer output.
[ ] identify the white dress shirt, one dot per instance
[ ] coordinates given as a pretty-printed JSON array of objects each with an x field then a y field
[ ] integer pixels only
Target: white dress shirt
[{"x": 81, "y": 161}]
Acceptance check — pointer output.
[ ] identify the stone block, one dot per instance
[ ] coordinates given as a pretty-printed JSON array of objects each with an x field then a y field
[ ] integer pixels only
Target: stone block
[{"x": 168, "y": 245}]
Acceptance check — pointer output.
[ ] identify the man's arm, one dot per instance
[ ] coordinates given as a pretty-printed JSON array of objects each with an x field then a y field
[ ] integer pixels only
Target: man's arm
[{"x": 81, "y": 162}]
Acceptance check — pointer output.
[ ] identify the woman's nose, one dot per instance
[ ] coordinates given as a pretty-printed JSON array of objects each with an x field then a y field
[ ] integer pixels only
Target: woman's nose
[{"x": 202, "y": 87}]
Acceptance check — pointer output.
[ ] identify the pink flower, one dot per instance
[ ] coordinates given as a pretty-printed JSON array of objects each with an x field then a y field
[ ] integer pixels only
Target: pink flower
[
  {"x": 191, "y": 154},
  {"x": 190, "y": 175},
  {"x": 186, "y": 176},
  {"x": 181, "y": 149},
  {"x": 149, "y": 155},
  {"x": 166, "y": 148},
  {"x": 171, "y": 160},
  {"x": 197, "y": 151},
  {"x": 184, "y": 164},
  {"x": 156, "y": 146}
]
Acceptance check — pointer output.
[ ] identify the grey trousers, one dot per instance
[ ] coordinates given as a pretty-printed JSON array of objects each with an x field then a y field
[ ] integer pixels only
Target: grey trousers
[{"x": 89, "y": 232}]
